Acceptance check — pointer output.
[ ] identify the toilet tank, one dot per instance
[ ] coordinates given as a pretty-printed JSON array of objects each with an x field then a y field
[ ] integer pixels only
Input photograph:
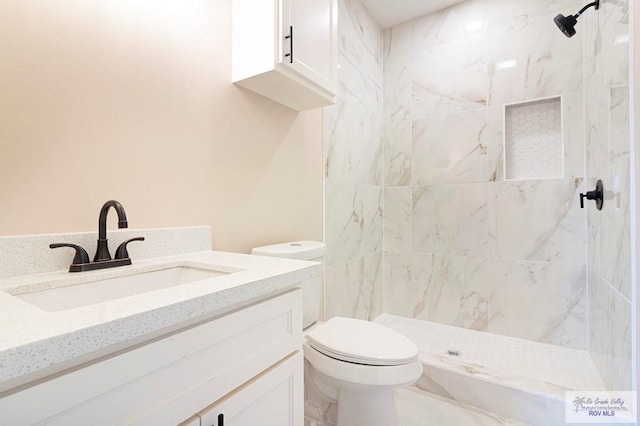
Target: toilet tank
[{"x": 311, "y": 289}]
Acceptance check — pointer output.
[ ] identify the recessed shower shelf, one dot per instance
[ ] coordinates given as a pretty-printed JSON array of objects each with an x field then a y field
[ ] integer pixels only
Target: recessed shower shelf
[{"x": 533, "y": 140}]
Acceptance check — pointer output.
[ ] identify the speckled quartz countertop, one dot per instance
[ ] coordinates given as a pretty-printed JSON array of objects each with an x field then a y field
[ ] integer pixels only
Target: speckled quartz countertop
[{"x": 35, "y": 343}]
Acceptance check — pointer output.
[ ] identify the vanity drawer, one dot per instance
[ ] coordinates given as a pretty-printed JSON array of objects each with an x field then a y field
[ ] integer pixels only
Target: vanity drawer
[{"x": 170, "y": 379}]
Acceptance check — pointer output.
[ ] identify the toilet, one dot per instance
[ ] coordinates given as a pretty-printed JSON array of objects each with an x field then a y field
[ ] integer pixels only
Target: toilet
[{"x": 352, "y": 367}]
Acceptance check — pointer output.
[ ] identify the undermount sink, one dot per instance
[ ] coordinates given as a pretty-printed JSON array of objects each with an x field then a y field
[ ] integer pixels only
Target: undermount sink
[{"x": 102, "y": 290}]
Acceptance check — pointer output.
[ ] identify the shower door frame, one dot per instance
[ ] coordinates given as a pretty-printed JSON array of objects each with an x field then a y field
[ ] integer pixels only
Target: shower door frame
[{"x": 634, "y": 123}]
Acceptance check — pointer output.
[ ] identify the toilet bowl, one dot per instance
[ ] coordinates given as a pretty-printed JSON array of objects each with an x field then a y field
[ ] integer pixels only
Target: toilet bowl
[
  {"x": 352, "y": 367},
  {"x": 352, "y": 370}
]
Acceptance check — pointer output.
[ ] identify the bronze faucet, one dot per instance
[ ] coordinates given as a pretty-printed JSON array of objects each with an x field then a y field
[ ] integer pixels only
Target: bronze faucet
[{"x": 102, "y": 259}]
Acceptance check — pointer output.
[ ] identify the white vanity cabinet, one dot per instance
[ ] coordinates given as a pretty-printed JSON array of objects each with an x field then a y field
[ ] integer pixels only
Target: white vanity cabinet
[
  {"x": 286, "y": 50},
  {"x": 246, "y": 365},
  {"x": 275, "y": 398}
]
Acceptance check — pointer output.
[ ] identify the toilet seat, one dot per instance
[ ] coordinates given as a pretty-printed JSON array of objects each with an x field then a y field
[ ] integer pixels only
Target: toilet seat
[
  {"x": 350, "y": 374},
  {"x": 362, "y": 342}
]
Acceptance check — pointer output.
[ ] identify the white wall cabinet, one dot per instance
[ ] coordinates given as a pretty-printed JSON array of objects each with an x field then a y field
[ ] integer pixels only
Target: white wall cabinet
[
  {"x": 244, "y": 362},
  {"x": 286, "y": 50}
]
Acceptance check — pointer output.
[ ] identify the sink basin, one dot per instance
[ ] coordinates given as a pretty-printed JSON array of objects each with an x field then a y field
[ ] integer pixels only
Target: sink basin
[{"x": 96, "y": 291}]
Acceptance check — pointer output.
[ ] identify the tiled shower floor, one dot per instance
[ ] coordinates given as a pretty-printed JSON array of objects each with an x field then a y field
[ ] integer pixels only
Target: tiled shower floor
[{"x": 511, "y": 377}]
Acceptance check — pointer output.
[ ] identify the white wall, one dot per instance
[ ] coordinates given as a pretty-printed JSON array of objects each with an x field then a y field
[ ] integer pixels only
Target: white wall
[{"x": 132, "y": 100}]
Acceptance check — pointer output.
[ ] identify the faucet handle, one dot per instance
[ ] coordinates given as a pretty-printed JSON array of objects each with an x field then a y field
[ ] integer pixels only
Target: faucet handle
[
  {"x": 597, "y": 195},
  {"x": 121, "y": 252},
  {"x": 81, "y": 256}
]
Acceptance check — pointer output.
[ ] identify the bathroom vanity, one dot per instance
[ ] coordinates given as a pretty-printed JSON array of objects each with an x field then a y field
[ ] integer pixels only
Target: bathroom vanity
[{"x": 224, "y": 349}]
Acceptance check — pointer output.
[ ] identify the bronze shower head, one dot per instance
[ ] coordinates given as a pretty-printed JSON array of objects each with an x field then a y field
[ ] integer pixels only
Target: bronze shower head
[{"x": 567, "y": 23}]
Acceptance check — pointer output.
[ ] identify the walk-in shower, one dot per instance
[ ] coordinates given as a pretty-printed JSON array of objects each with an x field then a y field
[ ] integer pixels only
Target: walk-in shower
[{"x": 455, "y": 159}]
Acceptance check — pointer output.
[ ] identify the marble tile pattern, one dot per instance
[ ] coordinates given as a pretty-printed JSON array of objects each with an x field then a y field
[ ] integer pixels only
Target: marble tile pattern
[
  {"x": 450, "y": 219},
  {"x": 398, "y": 211},
  {"x": 596, "y": 123},
  {"x": 397, "y": 88},
  {"x": 439, "y": 155},
  {"x": 448, "y": 78},
  {"x": 445, "y": 152},
  {"x": 549, "y": 65},
  {"x": 353, "y": 220},
  {"x": 598, "y": 313},
  {"x": 514, "y": 285},
  {"x": 398, "y": 286},
  {"x": 545, "y": 216},
  {"x": 354, "y": 288},
  {"x": 354, "y": 144},
  {"x": 439, "y": 282},
  {"x": 619, "y": 137},
  {"x": 573, "y": 126},
  {"x": 463, "y": 245},
  {"x": 607, "y": 158},
  {"x": 614, "y": 242},
  {"x": 397, "y": 153},
  {"x": 419, "y": 408},
  {"x": 610, "y": 334}
]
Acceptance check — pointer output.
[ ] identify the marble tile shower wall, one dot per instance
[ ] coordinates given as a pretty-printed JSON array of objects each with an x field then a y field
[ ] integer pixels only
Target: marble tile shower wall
[
  {"x": 462, "y": 245},
  {"x": 353, "y": 170},
  {"x": 608, "y": 151}
]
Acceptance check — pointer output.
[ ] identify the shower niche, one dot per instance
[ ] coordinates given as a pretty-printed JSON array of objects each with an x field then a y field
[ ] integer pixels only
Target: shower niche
[{"x": 533, "y": 140}]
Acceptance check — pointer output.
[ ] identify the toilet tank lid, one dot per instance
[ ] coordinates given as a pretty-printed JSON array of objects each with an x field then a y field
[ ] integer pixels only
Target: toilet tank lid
[{"x": 303, "y": 250}]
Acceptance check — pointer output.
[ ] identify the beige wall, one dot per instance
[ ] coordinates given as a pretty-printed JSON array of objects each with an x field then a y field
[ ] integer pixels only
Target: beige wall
[{"x": 132, "y": 100}]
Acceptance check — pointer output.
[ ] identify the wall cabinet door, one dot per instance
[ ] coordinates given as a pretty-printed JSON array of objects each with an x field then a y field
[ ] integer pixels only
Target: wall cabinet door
[
  {"x": 286, "y": 50},
  {"x": 308, "y": 40},
  {"x": 274, "y": 398}
]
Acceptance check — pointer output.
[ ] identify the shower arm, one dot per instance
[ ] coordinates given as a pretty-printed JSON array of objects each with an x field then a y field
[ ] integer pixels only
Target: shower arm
[{"x": 595, "y": 4}]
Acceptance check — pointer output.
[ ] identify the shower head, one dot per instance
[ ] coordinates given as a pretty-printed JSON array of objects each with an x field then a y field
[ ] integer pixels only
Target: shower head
[{"x": 567, "y": 23}]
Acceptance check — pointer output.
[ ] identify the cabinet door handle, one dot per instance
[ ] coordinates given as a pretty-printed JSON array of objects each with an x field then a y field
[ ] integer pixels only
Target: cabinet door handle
[
  {"x": 220, "y": 419},
  {"x": 290, "y": 38}
]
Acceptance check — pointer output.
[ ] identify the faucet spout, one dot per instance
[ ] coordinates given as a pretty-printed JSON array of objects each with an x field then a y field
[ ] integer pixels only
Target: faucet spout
[{"x": 102, "y": 252}]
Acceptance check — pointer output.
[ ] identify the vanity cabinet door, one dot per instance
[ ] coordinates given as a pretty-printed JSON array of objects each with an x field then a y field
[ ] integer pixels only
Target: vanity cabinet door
[
  {"x": 193, "y": 421},
  {"x": 274, "y": 398}
]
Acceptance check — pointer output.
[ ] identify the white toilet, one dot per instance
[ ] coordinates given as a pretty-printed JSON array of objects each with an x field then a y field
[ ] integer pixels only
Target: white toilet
[{"x": 352, "y": 367}]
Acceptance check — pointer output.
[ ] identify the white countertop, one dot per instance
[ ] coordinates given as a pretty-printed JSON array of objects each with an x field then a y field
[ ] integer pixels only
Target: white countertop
[{"x": 35, "y": 343}]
